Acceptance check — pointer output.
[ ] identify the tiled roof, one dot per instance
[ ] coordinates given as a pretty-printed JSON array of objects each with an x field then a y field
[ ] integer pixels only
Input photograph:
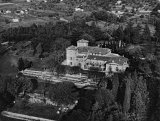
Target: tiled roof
[
  {"x": 27, "y": 43},
  {"x": 113, "y": 55},
  {"x": 83, "y": 49},
  {"x": 80, "y": 56},
  {"x": 119, "y": 59},
  {"x": 83, "y": 41},
  {"x": 94, "y": 50},
  {"x": 72, "y": 48},
  {"x": 97, "y": 50}
]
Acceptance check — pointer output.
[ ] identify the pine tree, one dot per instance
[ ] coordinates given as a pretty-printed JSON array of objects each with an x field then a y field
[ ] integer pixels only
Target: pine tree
[
  {"x": 136, "y": 35},
  {"x": 20, "y": 64},
  {"x": 115, "y": 82},
  {"x": 128, "y": 33},
  {"x": 118, "y": 34},
  {"x": 139, "y": 98},
  {"x": 156, "y": 116},
  {"x": 157, "y": 33},
  {"x": 39, "y": 49},
  {"x": 146, "y": 36},
  {"x": 127, "y": 97}
]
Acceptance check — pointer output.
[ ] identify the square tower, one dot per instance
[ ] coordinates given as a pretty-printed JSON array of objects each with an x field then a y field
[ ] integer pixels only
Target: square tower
[{"x": 82, "y": 43}]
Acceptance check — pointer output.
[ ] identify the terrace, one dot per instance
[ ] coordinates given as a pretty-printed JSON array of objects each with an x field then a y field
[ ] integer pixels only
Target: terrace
[{"x": 8, "y": 6}]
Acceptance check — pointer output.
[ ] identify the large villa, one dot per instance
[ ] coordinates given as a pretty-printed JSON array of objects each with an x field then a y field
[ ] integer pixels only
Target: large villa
[{"x": 94, "y": 57}]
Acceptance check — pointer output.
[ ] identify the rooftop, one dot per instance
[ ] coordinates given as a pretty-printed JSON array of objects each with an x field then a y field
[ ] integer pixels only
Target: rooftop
[
  {"x": 97, "y": 50},
  {"x": 72, "y": 47},
  {"x": 83, "y": 41},
  {"x": 89, "y": 49},
  {"x": 116, "y": 59},
  {"x": 94, "y": 50}
]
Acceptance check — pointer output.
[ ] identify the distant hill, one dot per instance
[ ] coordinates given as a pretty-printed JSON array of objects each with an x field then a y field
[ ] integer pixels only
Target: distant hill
[
  {"x": 157, "y": 7},
  {"x": 109, "y": 3}
]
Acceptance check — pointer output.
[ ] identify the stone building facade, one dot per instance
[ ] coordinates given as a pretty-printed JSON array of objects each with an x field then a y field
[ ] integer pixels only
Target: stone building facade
[{"x": 94, "y": 57}]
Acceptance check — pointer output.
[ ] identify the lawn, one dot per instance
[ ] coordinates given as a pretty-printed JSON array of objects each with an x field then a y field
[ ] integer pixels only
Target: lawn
[
  {"x": 27, "y": 23},
  {"x": 3, "y": 118},
  {"x": 38, "y": 110},
  {"x": 22, "y": 106}
]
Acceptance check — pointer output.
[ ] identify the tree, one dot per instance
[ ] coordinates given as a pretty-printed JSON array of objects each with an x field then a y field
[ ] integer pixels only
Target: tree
[
  {"x": 6, "y": 100},
  {"x": 8, "y": 65},
  {"x": 76, "y": 69},
  {"x": 102, "y": 83},
  {"x": 140, "y": 98},
  {"x": 63, "y": 93},
  {"x": 23, "y": 64},
  {"x": 118, "y": 34},
  {"x": 39, "y": 49},
  {"x": 34, "y": 83},
  {"x": 104, "y": 16},
  {"x": 104, "y": 106},
  {"x": 153, "y": 89},
  {"x": 128, "y": 33},
  {"x": 146, "y": 36},
  {"x": 60, "y": 29},
  {"x": 155, "y": 67},
  {"x": 61, "y": 69},
  {"x": 51, "y": 63},
  {"x": 115, "y": 82},
  {"x": 79, "y": 16},
  {"x": 156, "y": 116},
  {"x": 26, "y": 85},
  {"x": 6, "y": 97},
  {"x": 6, "y": 0},
  {"x": 75, "y": 115},
  {"x": 18, "y": 85},
  {"x": 155, "y": 10},
  {"x": 127, "y": 97},
  {"x": 136, "y": 32},
  {"x": 110, "y": 70},
  {"x": 157, "y": 33},
  {"x": 144, "y": 67},
  {"x": 122, "y": 18},
  {"x": 135, "y": 51},
  {"x": 20, "y": 64},
  {"x": 61, "y": 44},
  {"x": 88, "y": 37}
]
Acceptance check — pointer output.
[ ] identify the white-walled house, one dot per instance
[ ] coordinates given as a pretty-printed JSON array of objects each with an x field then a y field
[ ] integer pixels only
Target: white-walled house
[
  {"x": 78, "y": 9},
  {"x": 28, "y": 0},
  {"x": 117, "y": 13},
  {"x": 8, "y": 11},
  {"x": 119, "y": 2},
  {"x": 15, "y": 20},
  {"x": 88, "y": 56}
]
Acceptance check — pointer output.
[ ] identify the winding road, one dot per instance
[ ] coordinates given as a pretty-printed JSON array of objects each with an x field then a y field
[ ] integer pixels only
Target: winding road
[{"x": 23, "y": 117}]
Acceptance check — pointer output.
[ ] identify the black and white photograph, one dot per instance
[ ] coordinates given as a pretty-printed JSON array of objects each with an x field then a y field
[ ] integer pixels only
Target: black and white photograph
[{"x": 79, "y": 60}]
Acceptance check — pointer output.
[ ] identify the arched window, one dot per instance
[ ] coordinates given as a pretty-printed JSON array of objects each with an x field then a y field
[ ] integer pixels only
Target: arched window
[
  {"x": 110, "y": 69},
  {"x": 117, "y": 69}
]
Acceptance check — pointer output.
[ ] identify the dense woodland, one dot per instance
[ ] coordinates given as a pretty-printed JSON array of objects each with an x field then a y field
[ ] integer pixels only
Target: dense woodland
[
  {"x": 130, "y": 96},
  {"x": 105, "y": 3}
]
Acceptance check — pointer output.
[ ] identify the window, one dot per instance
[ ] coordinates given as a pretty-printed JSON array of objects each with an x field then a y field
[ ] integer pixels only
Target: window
[
  {"x": 70, "y": 58},
  {"x": 70, "y": 63},
  {"x": 85, "y": 67},
  {"x": 117, "y": 69},
  {"x": 110, "y": 69}
]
